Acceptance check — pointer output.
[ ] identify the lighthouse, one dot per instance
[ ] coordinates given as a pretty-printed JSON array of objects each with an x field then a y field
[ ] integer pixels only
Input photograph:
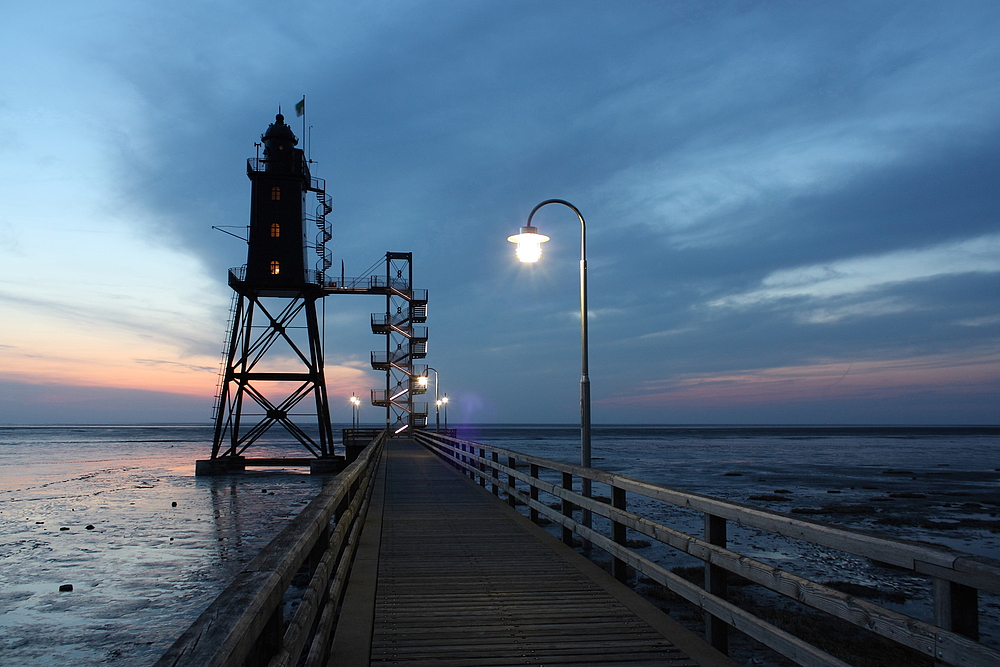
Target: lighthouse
[{"x": 274, "y": 325}]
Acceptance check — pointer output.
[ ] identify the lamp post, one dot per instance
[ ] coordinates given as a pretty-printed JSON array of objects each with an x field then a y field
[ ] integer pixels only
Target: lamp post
[
  {"x": 437, "y": 400},
  {"x": 529, "y": 249},
  {"x": 356, "y": 411},
  {"x": 444, "y": 402}
]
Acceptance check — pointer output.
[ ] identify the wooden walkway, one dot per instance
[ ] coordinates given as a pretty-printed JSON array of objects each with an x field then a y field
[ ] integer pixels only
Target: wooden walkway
[{"x": 448, "y": 575}]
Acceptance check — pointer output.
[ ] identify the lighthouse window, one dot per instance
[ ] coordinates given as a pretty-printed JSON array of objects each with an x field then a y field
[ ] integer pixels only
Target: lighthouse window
[
  {"x": 275, "y": 268},
  {"x": 275, "y": 230},
  {"x": 275, "y": 193}
]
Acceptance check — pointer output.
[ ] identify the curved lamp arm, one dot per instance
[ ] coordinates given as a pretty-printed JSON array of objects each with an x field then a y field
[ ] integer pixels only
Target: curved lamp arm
[{"x": 530, "y": 234}]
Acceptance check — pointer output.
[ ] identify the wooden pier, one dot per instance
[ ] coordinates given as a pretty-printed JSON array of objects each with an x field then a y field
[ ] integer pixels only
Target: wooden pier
[
  {"x": 450, "y": 576},
  {"x": 415, "y": 555}
]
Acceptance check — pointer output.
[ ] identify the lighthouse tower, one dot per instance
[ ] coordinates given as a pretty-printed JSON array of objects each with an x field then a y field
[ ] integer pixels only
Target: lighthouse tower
[{"x": 273, "y": 373}]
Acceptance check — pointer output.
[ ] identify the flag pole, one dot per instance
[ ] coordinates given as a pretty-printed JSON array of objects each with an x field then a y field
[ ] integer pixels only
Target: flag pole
[{"x": 304, "y": 138}]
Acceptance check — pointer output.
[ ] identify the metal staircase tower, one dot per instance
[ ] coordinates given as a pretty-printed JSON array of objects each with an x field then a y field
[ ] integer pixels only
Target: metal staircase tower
[{"x": 405, "y": 308}]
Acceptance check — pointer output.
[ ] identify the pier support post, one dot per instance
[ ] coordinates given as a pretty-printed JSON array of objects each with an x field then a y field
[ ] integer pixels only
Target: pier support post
[
  {"x": 533, "y": 513},
  {"x": 511, "y": 482},
  {"x": 269, "y": 641},
  {"x": 618, "y": 533},
  {"x": 482, "y": 467},
  {"x": 495, "y": 474},
  {"x": 956, "y": 608},
  {"x": 567, "y": 508},
  {"x": 716, "y": 631},
  {"x": 222, "y": 465}
]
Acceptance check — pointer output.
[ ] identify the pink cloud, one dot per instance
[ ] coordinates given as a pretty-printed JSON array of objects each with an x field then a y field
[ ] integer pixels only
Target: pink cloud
[{"x": 831, "y": 380}]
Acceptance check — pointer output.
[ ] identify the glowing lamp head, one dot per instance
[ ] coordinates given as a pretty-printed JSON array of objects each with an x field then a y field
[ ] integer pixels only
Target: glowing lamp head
[
  {"x": 422, "y": 380},
  {"x": 355, "y": 400},
  {"x": 444, "y": 399},
  {"x": 529, "y": 244}
]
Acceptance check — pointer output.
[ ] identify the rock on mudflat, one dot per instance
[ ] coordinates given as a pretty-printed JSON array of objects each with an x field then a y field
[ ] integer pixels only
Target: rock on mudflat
[{"x": 66, "y": 588}]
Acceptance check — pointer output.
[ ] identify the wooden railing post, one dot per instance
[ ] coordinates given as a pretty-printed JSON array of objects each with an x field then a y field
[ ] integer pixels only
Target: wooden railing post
[
  {"x": 316, "y": 553},
  {"x": 495, "y": 474},
  {"x": 533, "y": 513},
  {"x": 511, "y": 482},
  {"x": 482, "y": 467},
  {"x": 567, "y": 508},
  {"x": 716, "y": 631},
  {"x": 956, "y": 608},
  {"x": 618, "y": 533},
  {"x": 269, "y": 641}
]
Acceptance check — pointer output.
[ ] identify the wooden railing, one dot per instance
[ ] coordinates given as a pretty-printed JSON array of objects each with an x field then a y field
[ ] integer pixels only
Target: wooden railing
[
  {"x": 956, "y": 577},
  {"x": 245, "y": 625}
]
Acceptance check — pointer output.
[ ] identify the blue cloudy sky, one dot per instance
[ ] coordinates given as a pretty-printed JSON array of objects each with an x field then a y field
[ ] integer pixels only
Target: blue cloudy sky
[{"x": 792, "y": 208}]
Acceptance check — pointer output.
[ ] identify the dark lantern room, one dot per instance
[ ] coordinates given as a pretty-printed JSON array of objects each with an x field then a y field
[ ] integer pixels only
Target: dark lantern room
[{"x": 276, "y": 256}]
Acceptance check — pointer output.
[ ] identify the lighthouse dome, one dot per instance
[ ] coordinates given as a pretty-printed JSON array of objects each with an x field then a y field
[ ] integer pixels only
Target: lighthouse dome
[{"x": 279, "y": 131}]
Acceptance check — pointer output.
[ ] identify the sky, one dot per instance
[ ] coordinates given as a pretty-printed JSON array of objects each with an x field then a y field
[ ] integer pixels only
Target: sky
[{"x": 792, "y": 208}]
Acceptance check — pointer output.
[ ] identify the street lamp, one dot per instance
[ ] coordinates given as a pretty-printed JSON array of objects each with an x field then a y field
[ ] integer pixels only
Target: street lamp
[
  {"x": 356, "y": 411},
  {"x": 444, "y": 401},
  {"x": 529, "y": 249}
]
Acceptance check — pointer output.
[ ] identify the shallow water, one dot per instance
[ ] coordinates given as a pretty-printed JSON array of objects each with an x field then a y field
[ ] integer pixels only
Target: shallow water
[{"x": 147, "y": 568}]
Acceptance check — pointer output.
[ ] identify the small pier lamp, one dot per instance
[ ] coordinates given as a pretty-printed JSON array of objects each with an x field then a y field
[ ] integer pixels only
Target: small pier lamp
[
  {"x": 529, "y": 244},
  {"x": 444, "y": 402},
  {"x": 355, "y": 411}
]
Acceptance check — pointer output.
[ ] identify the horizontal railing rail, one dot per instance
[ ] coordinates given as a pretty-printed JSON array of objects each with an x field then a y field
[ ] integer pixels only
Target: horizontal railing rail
[
  {"x": 282, "y": 166},
  {"x": 957, "y": 577},
  {"x": 360, "y": 283},
  {"x": 245, "y": 625}
]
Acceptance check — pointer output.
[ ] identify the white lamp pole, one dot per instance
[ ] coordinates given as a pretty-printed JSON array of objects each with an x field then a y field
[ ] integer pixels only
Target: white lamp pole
[
  {"x": 437, "y": 400},
  {"x": 529, "y": 249},
  {"x": 356, "y": 410}
]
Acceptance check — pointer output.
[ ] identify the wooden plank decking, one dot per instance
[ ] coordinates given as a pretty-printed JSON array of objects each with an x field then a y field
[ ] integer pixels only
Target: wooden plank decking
[{"x": 448, "y": 575}]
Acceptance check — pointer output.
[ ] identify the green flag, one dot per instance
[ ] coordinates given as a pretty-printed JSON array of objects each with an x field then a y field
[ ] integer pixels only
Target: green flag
[{"x": 300, "y": 107}]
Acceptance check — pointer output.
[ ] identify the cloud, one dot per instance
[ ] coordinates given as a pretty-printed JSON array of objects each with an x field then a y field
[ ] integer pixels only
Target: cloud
[
  {"x": 175, "y": 364},
  {"x": 862, "y": 275},
  {"x": 953, "y": 374},
  {"x": 845, "y": 155}
]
